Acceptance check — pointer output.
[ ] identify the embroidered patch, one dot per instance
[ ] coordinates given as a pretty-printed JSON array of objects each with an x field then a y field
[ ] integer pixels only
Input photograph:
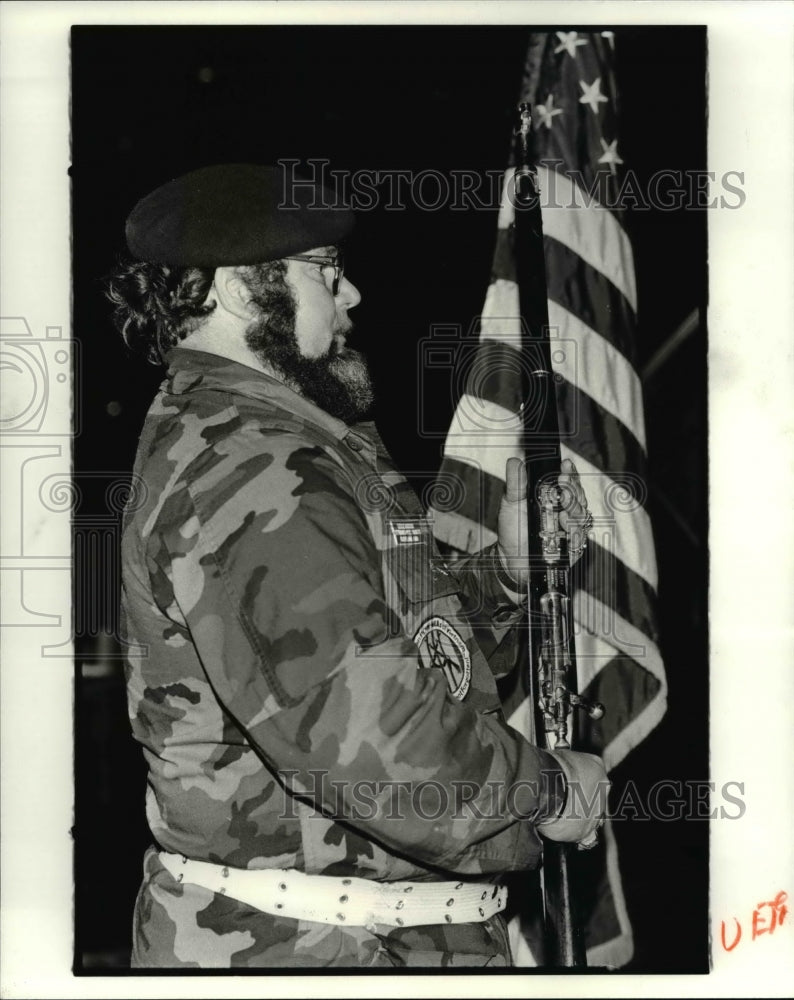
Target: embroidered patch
[
  {"x": 441, "y": 646},
  {"x": 408, "y": 530}
]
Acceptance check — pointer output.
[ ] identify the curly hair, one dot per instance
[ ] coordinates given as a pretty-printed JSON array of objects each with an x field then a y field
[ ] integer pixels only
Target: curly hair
[
  {"x": 156, "y": 306},
  {"x": 268, "y": 287}
]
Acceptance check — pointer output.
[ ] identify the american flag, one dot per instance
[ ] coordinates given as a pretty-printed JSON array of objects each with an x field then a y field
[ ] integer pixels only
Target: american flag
[{"x": 592, "y": 301}]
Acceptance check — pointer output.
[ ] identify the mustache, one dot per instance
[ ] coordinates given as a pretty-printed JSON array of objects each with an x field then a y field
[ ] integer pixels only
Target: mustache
[
  {"x": 343, "y": 327},
  {"x": 338, "y": 347}
]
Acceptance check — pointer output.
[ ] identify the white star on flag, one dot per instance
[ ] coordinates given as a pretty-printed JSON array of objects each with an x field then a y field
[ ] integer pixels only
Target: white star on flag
[
  {"x": 610, "y": 154},
  {"x": 592, "y": 94},
  {"x": 569, "y": 41},
  {"x": 547, "y": 111}
]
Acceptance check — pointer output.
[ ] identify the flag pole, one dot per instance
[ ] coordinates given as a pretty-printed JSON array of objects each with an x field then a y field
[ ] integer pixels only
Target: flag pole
[{"x": 550, "y": 646}]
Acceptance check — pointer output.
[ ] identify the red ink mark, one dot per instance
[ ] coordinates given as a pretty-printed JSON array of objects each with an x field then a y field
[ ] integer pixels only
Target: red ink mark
[
  {"x": 767, "y": 915},
  {"x": 778, "y": 911},
  {"x": 736, "y": 940}
]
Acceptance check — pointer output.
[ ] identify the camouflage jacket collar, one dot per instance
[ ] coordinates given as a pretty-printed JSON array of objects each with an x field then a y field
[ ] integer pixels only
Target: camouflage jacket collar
[{"x": 189, "y": 369}]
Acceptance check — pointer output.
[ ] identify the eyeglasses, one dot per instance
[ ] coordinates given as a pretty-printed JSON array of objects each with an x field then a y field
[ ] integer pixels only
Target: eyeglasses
[{"x": 337, "y": 263}]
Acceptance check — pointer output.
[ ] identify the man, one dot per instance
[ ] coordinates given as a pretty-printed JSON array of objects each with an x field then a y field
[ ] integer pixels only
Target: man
[{"x": 316, "y": 797}]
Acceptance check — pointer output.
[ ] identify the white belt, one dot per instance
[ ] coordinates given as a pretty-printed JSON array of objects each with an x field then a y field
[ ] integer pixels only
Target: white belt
[{"x": 356, "y": 901}]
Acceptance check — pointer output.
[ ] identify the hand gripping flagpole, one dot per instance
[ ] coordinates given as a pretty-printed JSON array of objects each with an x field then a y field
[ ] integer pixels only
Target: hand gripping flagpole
[{"x": 552, "y": 671}]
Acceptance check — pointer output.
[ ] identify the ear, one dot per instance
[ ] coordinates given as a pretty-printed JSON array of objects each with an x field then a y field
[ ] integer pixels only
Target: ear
[{"x": 232, "y": 293}]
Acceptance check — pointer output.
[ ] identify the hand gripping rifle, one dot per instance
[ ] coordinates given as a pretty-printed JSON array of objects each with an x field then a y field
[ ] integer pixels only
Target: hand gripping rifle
[{"x": 552, "y": 673}]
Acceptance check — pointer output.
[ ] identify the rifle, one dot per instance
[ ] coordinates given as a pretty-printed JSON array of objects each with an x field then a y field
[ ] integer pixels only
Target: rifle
[{"x": 551, "y": 652}]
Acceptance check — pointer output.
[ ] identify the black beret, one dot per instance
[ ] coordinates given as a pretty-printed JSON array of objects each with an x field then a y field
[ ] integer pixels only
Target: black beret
[{"x": 234, "y": 214}]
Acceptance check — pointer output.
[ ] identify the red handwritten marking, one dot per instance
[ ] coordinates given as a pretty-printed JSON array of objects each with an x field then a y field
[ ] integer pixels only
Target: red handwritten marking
[
  {"x": 767, "y": 915},
  {"x": 736, "y": 940},
  {"x": 779, "y": 911}
]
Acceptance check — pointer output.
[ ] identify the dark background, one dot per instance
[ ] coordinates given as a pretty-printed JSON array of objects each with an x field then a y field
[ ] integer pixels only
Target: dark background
[{"x": 150, "y": 103}]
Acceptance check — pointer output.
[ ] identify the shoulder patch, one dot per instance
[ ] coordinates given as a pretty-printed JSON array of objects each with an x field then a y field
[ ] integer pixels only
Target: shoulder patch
[{"x": 441, "y": 646}]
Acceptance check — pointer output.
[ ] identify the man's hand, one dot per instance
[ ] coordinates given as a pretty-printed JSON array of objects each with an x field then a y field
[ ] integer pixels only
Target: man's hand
[
  {"x": 513, "y": 544},
  {"x": 585, "y": 803}
]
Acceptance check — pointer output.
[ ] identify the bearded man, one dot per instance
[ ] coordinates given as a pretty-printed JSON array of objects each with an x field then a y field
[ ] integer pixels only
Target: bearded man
[{"x": 331, "y": 779}]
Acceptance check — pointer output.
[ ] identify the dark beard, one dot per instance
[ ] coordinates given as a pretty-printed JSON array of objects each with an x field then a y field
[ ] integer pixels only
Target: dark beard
[{"x": 339, "y": 382}]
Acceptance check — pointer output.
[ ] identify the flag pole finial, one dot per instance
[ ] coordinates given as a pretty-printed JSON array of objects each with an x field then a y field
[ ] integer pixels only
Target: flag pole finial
[{"x": 526, "y": 178}]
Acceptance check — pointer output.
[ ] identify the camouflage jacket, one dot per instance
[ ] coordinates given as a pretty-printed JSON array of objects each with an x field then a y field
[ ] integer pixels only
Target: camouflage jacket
[{"x": 281, "y": 591}]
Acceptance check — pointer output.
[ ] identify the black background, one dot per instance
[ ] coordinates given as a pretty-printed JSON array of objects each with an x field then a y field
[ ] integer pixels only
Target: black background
[{"x": 149, "y": 103}]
